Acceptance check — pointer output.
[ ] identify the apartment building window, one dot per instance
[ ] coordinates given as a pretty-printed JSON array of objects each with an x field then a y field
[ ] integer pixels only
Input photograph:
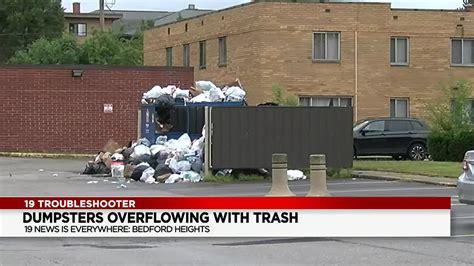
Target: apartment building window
[
  {"x": 78, "y": 29},
  {"x": 169, "y": 56},
  {"x": 186, "y": 55},
  {"x": 468, "y": 110},
  {"x": 222, "y": 51},
  {"x": 326, "y": 101},
  {"x": 326, "y": 46},
  {"x": 202, "y": 54},
  {"x": 462, "y": 52},
  {"x": 472, "y": 111},
  {"x": 399, "y": 107},
  {"x": 399, "y": 51}
]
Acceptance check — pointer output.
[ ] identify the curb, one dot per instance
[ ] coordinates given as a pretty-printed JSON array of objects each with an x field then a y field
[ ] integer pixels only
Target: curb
[
  {"x": 45, "y": 155},
  {"x": 423, "y": 181}
]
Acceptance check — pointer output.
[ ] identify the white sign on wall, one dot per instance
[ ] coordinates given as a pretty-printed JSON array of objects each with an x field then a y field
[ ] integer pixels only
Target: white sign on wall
[{"x": 108, "y": 108}]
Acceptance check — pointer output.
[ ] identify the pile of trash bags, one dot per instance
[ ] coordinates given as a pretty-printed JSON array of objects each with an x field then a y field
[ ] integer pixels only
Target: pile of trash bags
[
  {"x": 203, "y": 91},
  {"x": 166, "y": 161}
]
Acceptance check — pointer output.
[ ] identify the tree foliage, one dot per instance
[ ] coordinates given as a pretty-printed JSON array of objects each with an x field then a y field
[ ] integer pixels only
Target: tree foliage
[
  {"x": 452, "y": 112},
  {"x": 103, "y": 48},
  {"x": 24, "y": 21},
  {"x": 57, "y": 51},
  {"x": 107, "y": 48},
  {"x": 280, "y": 97},
  {"x": 451, "y": 123}
]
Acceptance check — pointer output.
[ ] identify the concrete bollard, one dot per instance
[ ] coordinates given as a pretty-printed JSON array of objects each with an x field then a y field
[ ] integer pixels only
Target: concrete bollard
[
  {"x": 318, "y": 176},
  {"x": 279, "y": 177}
]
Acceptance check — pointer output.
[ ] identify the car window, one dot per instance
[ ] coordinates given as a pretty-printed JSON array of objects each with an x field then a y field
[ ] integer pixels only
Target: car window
[
  {"x": 417, "y": 125},
  {"x": 375, "y": 126},
  {"x": 469, "y": 156},
  {"x": 360, "y": 125},
  {"x": 398, "y": 126}
]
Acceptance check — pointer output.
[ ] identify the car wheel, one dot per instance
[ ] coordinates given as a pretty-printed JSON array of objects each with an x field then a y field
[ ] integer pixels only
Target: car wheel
[{"x": 417, "y": 152}]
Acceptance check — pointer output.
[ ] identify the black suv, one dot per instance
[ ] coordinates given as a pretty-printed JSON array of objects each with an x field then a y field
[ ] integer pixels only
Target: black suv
[{"x": 397, "y": 137}]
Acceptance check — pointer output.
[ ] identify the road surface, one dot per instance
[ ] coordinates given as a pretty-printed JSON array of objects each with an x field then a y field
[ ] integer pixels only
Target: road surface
[{"x": 57, "y": 177}]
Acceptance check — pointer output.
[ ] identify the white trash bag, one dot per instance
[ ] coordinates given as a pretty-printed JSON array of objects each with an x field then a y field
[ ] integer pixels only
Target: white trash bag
[
  {"x": 205, "y": 85},
  {"x": 174, "y": 178},
  {"x": 201, "y": 98},
  {"x": 235, "y": 94},
  {"x": 191, "y": 176},
  {"x": 295, "y": 175},
  {"x": 216, "y": 95},
  {"x": 183, "y": 143},
  {"x": 155, "y": 149},
  {"x": 147, "y": 176},
  {"x": 179, "y": 93},
  {"x": 183, "y": 166},
  {"x": 154, "y": 93}
]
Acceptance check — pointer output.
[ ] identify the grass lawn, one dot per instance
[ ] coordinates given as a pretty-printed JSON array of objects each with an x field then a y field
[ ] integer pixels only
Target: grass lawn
[{"x": 427, "y": 168}]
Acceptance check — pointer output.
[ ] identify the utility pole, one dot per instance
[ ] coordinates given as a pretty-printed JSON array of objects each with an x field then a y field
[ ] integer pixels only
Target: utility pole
[{"x": 101, "y": 15}]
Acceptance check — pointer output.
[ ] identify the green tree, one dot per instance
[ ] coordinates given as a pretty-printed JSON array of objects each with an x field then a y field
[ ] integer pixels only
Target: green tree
[
  {"x": 57, "y": 51},
  {"x": 24, "y": 21},
  {"x": 103, "y": 48},
  {"x": 280, "y": 97},
  {"x": 451, "y": 114},
  {"x": 108, "y": 48}
]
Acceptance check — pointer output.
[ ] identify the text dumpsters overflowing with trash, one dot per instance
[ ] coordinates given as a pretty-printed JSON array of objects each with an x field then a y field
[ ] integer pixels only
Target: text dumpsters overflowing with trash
[{"x": 167, "y": 160}]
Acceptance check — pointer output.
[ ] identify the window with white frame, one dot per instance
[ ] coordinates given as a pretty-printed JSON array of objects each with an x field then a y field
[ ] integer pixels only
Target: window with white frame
[
  {"x": 399, "y": 51},
  {"x": 326, "y": 46},
  {"x": 326, "y": 101},
  {"x": 462, "y": 52},
  {"x": 399, "y": 107},
  {"x": 169, "y": 56}
]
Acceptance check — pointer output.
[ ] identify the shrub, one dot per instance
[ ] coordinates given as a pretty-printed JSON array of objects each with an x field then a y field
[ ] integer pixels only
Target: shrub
[
  {"x": 452, "y": 132},
  {"x": 447, "y": 146},
  {"x": 280, "y": 97}
]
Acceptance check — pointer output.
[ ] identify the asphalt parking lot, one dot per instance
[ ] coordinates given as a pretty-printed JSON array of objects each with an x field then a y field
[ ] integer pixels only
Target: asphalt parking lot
[{"x": 54, "y": 177}]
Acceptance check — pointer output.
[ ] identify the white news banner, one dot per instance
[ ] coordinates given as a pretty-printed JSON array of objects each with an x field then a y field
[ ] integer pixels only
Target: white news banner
[{"x": 316, "y": 218}]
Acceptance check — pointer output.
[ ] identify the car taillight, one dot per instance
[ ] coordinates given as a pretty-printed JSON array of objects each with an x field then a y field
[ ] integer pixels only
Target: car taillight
[{"x": 465, "y": 167}]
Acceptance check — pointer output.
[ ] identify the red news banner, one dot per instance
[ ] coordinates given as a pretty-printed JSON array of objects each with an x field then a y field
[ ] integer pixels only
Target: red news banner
[{"x": 225, "y": 217}]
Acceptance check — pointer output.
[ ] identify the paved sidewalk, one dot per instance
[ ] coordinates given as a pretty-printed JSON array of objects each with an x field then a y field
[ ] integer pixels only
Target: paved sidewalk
[{"x": 443, "y": 181}]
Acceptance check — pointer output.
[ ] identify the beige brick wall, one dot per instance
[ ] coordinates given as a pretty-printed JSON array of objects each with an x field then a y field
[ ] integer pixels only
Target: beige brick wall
[{"x": 271, "y": 44}]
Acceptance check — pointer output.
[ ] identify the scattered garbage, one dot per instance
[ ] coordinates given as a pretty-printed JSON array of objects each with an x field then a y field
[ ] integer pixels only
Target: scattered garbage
[
  {"x": 203, "y": 91},
  {"x": 40, "y": 170},
  {"x": 295, "y": 175},
  {"x": 167, "y": 160},
  {"x": 92, "y": 182},
  {"x": 55, "y": 175}
]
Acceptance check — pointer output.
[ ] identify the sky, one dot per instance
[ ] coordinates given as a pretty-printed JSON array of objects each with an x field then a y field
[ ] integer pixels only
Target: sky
[{"x": 175, "y": 5}]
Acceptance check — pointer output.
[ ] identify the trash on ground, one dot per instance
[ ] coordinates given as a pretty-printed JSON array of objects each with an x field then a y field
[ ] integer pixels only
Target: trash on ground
[
  {"x": 295, "y": 175},
  {"x": 55, "y": 175},
  {"x": 166, "y": 160},
  {"x": 40, "y": 170},
  {"x": 92, "y": 182}
]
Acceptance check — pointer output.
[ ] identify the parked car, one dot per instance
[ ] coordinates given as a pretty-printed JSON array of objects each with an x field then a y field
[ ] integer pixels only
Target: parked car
[
  {"x": 397, "y": 137},
  {"x": 466, "y": 180}
]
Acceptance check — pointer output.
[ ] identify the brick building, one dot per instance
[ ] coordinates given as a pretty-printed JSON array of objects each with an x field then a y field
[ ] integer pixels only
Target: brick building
[
  {"x": 77, "y": 108},
  {"x": 380, "y": 60},
  {"x": 81, "y": 25}
]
